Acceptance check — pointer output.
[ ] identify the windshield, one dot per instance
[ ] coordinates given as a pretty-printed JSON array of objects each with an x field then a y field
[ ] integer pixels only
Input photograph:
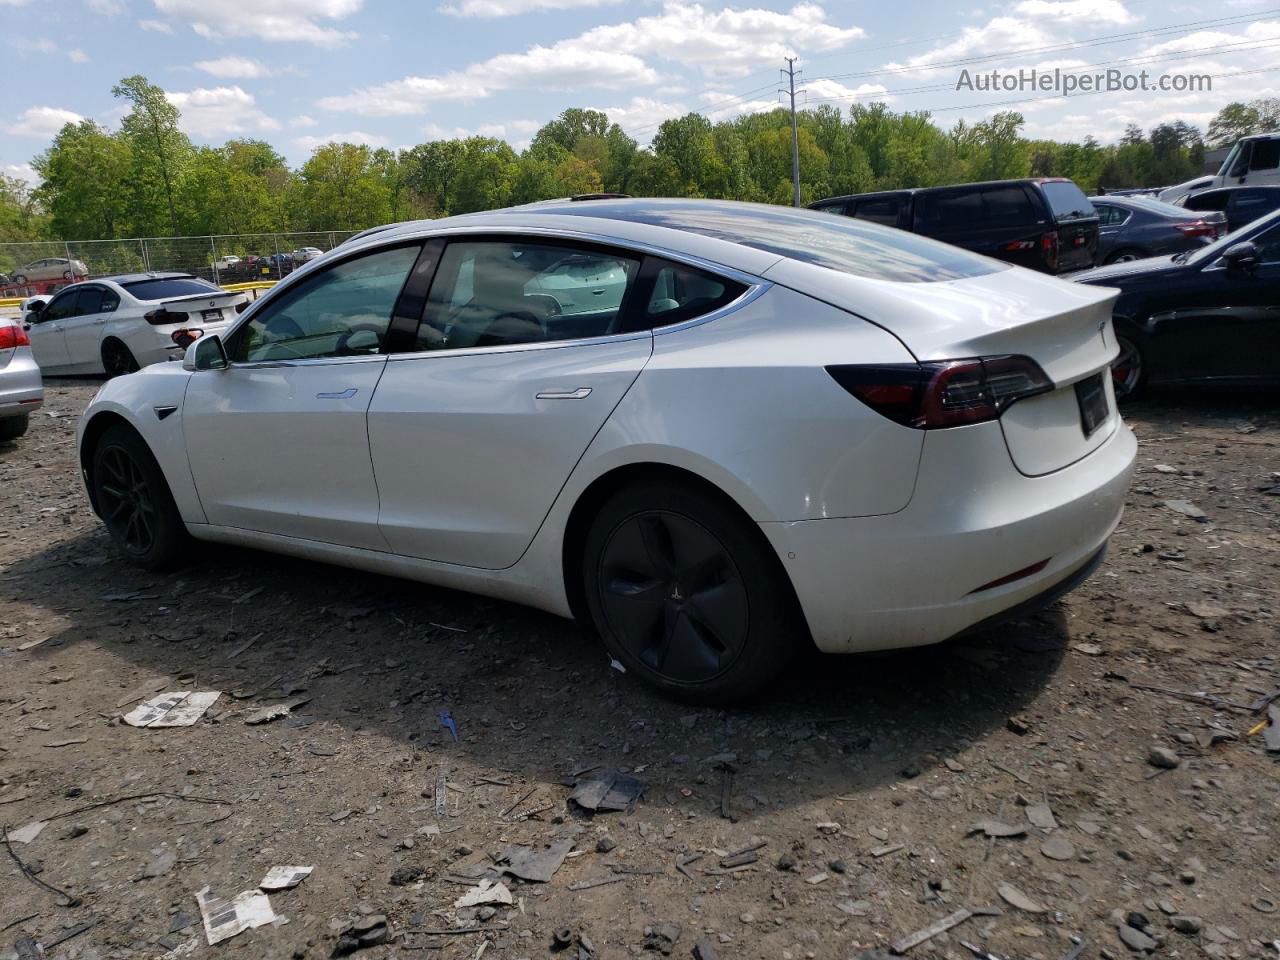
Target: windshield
[{"x": 1215, "y": 249}]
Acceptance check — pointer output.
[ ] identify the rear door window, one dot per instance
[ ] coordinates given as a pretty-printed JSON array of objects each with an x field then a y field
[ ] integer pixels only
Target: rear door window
[
  {"x": 879, "y": 210},
  {"x": 682, "y": 293},
  {"x": 96, "y": 300},
  {"x": 1007, "y": 206},
  {"x": 947, "y": 211},
  {"x": 1066, "y": 200}
]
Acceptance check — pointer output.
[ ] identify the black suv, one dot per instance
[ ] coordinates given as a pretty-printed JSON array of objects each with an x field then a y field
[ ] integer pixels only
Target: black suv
[{"x": 1045, "y": 223}]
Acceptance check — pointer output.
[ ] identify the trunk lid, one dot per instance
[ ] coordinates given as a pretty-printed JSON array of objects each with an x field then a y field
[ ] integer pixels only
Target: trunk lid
[
  {"x": 202, "y": 308},
  {"x": 1065, "y": 327}
]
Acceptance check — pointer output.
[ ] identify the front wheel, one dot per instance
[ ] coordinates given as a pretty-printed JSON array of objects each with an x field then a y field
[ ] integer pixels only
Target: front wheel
[
  {"x": 688, "y": 594},
  {"x": 11, "y": 428},
  {"x": 1128, "y": 371},
  {"x": 134, "y": 501}
]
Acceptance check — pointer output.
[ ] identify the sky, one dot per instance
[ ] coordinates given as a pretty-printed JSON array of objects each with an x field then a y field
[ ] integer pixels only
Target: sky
[{"x": 394, "y": 73}]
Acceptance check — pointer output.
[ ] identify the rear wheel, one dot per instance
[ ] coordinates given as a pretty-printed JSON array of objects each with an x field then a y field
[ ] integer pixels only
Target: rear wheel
[
  {"x": 117, "y": 359},
  {"x": 11, "y": 428},
  {"x": 134, "y": 501},
  {"x": 1128, "y": 371},
  {"x": 20, "y": 279},
  {"x": 688, "y": 594}
]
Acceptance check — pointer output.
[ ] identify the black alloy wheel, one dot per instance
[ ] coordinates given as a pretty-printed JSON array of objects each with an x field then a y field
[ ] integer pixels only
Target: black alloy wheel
[
  {"x": 673, "y": 596},
  {"x": 133, "y": 499},
  {"x": 117, "y": 360}
]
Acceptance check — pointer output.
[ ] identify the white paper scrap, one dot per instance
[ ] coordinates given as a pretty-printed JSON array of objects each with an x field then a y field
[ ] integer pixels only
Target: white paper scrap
[
  {"x": 179, "y": 709},
  {"x": 485, "y": 892},
  {"x": 28, "y": 833},
  {"x": 282, "y": 878},
  {"x": 224, "y": 919}
]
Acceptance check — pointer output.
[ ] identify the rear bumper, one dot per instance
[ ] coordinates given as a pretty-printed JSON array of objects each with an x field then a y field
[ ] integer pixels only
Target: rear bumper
[
  {"x": 21, "y": 386},
  {"x": 917, "y": 576}
]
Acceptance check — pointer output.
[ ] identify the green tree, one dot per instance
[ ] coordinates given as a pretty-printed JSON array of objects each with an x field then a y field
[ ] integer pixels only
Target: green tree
[
  {"x": 340, "y": 187},
  {"x": 487, "y": 174},
  {"x": 160, "y": 152},
  {"x": 431, "y": 170},
  {"x": 84, "y": 173}
]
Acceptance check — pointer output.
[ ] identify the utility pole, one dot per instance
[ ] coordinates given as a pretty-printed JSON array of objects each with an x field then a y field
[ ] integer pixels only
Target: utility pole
[{"x": 790, "y": 73}]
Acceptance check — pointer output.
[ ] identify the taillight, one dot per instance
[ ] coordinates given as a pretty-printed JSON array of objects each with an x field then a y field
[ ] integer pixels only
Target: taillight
[
  {"x": 186, "y": 336},
  {"x": 12, "y": 335},
  {"x": 159, "y": 317},
  {"x": 943, "y": 393},
  {"x": 1196, "y": 228},
  {"x": 1049, "y": 248}
]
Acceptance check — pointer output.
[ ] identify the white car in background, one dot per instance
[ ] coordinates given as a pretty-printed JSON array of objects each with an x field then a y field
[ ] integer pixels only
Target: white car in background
[
  {"x": 115, "y": 325},
  {"x": 718, "y": 431},
  {"x": 21, "y": 387},
  {"x": 306, "y": 255}
]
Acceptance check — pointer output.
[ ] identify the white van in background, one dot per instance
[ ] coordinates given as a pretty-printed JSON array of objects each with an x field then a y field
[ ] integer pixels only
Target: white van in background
[{"x": 1253, "y": 160}]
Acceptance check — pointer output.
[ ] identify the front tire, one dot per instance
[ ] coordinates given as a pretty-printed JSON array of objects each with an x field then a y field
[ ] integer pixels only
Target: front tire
[
  {"x": 134, "y": 501},
  {"x": 117, "y": 359},
  {"x": 687, "y": 594},
  {"x": 11, "y": 428}
]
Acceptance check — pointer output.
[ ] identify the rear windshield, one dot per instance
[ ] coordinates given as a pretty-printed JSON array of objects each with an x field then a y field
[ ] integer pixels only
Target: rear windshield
[
  {"x": 1159, "y": 206},
  {"x": 1066, "y": 200},
  {"x": 837, "y": 243},
  {"x": 166, "y": 288}
]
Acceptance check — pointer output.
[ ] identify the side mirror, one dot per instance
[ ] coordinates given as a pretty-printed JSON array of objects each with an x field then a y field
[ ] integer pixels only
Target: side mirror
[
  {"x": 1241, "y": 257},
  {"x": 207, "y": 353}
]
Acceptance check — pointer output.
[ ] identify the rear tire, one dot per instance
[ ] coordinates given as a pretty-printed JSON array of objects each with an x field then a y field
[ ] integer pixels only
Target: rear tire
[
  {"x": 117, "y": 359},
  {"x": 134, "y": 502},
  {"x": 20, "y": 279},
  {"x": 1126, "y": 256},
  {"x": 687, "y": 594},
  {"x": 11, "y": 428}
]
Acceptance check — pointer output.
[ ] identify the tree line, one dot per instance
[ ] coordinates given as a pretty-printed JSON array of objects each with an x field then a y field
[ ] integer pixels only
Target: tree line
[{"x": 149, "y": 179}]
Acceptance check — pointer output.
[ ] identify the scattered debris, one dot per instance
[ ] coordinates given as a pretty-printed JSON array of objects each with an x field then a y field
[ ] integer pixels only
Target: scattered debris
[
  {"x": 662, "y": 938},
  {"x": 487, "y": 891},
  {"x": 284, "y": 878},
  {"x": 613, "y": 792},
  {"x": 1271, "y": 733},
  {"x": 1164, "y": 758},
  {"x": 446, "y": 719},
  {"x": 1041, "y": 815},
  {"x": 25, "y": 834},
  {"x": 704, "y": 949},
  {"x": 1186, "y": 508},
  {"x": 368, "y": 931},
  {"x": 275, "y": 711},
  {"x": 1016, "y": 898},
  {"x": 181, "y": 708},
  {"x": 912, "y": 940},
  {"x": 1058, "y": 846},
  {"x": 160, "y": 865},
  {"x": 403, "y": 876},
  {"x": 995, "y": 828},
  {"x": 441, "y": 797},
  {"x": 1135, "y": 939},
  {"x": 224, "y": 919}
]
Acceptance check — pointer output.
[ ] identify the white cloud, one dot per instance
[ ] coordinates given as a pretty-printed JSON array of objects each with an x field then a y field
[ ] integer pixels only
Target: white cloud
[
  {"x": 155, "y": 26},
  {"x": 826, "y": 90},
  {"x": 13, "y": 3},
  {"x": 301, "y": 120},
  {"x": 1090, "y": 12},
  {"x": 351, "y": 136},
  {"x": 77, "y": 56},
  {"x": 233, "y": 68},
  {"x": 643, "y": 113},
  {"x": 503, "y": 131},
  {"x": 510, "y": 8},
  {"x": 219, "y": 111},
  {"x": 110, "y": 8},
  {"x": 275, "y": 20},
  {"x": 724, "y": 43},
  {"x": 21, "y": 171},
  {"x": 42, "y": 122},
  {"x": 42, "y": 45}
]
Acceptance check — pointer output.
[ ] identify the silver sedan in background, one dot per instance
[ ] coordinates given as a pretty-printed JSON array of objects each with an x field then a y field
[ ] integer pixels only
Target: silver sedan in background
[{"x": 21, "y": 388}]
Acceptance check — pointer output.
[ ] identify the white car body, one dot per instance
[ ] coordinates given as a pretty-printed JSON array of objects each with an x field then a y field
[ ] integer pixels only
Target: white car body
[
  {"x": 225, "y": 261},
  {"x": 306, "y": 254},
  {"x": 81, "y": 325},
  {"x": 469, "y": 467}
]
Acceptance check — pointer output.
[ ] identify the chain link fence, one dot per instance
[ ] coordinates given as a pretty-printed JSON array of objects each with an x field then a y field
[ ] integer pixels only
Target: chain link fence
[{"x": 222, "y": 259}]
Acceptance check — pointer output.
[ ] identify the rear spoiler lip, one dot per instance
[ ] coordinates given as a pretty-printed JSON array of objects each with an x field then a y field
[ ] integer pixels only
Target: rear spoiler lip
[{"x": 201, "y": 296}]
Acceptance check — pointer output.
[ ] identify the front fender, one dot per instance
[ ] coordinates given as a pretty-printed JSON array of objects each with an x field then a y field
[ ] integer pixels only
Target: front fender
[{"x": 151, "y": 403}]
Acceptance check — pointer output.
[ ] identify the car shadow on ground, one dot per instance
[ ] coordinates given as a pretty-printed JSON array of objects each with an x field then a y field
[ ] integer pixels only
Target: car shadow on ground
[{"x": 531, "y": 694}]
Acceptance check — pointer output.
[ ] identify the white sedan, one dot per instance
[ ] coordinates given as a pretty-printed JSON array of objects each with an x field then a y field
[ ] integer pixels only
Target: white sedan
[
  {"x": 115, "y": 325},
  {"x": 717, "y": 431}
]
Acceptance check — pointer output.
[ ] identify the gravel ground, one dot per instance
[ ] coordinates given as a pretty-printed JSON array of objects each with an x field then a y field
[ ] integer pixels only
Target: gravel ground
[{"x": 864, "y": 777}]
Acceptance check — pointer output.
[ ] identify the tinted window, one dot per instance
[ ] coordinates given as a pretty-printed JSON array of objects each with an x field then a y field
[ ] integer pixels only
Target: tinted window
[
  {"x": 343, "y": 311},
  {"x": 61, "y": 307},
  {"x": 96, "y": 300},
  {"x": 1108, "y": 214},
  {"x": 682, "y": 293},
  {"x": 879, "y": 210},
  {"x": 946, "y": 211},
  {"x": 809, "y": 236},
  {"x": 1066, "y": 200},
  {"x": 1268, "y": 243},
  {"x": 497, "y": 293},
  {"x": 1246, "y": 206},
  {"x": 1212, "y": 200},
  {"x": 1007, "y": 206},
  {"x": 1266, "y": 155},
  {"x": 1160, "y": 207},
  {"x": 166, "y": 288}
]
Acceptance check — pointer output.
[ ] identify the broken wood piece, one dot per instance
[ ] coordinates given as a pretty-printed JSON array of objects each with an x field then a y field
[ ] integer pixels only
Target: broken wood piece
[{"x": 941, "y": 926}]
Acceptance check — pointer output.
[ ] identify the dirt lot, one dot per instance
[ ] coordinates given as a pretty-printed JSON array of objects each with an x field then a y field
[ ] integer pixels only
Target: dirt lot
[{"x": 862, "y": 776}]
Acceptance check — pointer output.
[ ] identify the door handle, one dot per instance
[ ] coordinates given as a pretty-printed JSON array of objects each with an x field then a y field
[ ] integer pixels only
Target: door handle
[
  {"x": 580, "y": 394},
  {"x": 346, "y": 394}
]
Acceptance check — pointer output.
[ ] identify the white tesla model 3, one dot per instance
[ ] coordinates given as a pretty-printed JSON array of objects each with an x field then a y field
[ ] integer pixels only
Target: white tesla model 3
[{"x": 716, "y": 430}]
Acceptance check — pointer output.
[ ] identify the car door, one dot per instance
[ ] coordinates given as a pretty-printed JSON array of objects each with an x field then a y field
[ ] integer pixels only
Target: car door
[
  {"x": 47, "y": 332},
  {"x": 1111, "y": 223},
  {"x": 1264, "y": 163},
  {"x": 83, "y": 332},
  {"x": 476, "y": 427},
  {"x": 278, "y": 440}
]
